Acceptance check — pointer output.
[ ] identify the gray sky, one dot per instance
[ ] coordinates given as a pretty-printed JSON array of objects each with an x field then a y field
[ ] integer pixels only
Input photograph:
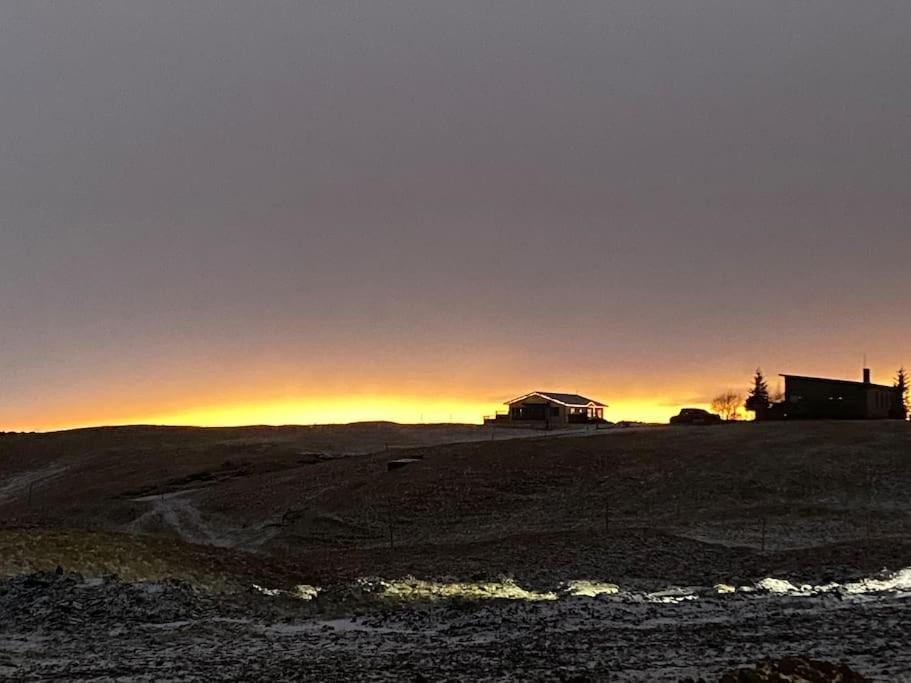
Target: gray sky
[{"x": 216, "y": 202}]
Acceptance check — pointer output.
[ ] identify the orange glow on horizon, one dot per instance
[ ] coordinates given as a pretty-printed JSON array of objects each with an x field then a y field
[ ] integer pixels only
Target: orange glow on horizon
[{"x": 332, "y": 410}]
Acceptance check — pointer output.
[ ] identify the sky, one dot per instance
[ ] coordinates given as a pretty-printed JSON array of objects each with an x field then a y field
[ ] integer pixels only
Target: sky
[{"x": 227, "y": 212}]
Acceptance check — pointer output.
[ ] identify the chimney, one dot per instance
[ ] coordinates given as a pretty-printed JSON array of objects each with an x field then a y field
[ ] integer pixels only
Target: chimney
[{"x": 866, "y": 375}]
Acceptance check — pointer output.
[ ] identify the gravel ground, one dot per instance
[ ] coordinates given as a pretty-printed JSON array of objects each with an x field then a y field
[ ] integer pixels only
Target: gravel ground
[{"x": 62, "y": 627}]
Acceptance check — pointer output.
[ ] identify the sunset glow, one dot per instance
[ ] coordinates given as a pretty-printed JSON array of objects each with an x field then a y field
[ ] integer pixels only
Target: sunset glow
[
  {"x": 327, "y": 410},
  {"x": 462, "y": 324},
  {"x": 361, "y": 212}
]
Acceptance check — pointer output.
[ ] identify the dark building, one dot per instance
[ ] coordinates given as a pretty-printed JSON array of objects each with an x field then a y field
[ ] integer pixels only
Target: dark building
[
  {"x": 549, "y": 409},
  {"x": 815, "y": 398}
]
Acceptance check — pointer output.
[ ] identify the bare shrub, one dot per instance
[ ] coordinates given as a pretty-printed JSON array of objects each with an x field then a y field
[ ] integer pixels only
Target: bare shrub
[{"x": 728, "y": 405}]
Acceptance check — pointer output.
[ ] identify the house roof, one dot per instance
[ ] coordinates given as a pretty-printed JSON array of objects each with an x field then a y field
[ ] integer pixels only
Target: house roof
[
  {"x": 571, "y": 400},
  {"x": 840, "y": 381}
]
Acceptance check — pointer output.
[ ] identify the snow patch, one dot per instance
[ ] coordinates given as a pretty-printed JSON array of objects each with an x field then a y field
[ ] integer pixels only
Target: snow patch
[
  {"x": 779, "y": 586},
  {"x": 899, "y": 581},
  {"x": 590, "y": 589},
  {"x": 19, "y": 485},
  {"x": 300, "y": 592},
  {"x": 672, "y": 596}
]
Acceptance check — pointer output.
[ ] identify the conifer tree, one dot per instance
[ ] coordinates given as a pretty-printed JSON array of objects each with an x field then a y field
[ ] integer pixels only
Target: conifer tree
[
  {"x": 758, "y": 399},
  {"x": 902, "y": 389}
]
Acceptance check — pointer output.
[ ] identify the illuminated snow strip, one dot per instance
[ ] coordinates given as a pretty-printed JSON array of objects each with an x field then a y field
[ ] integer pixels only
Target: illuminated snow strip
[
  {"x": 414, "y": 589},
  {"x": 899, "y": 581},
  {"x": 410, "y": 589},
  {"x": 896, "y": 582}
]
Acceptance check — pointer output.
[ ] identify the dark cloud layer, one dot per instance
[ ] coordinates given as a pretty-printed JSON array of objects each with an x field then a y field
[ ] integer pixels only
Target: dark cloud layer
[{"x": 410, "y": 193}]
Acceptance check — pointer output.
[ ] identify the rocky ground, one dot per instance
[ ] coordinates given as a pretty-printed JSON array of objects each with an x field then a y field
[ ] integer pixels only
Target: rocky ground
[
  {"x": 64, "y": 627},
  {"x": 788, "y": 669}
]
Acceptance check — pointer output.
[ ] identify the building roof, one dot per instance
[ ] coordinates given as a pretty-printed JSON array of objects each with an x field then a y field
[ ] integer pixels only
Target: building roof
[
  {"x": 840, "y": 381},
  {"x": 569, "y": 400}
]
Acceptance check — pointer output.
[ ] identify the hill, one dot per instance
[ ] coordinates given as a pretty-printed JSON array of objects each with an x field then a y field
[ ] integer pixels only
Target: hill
[{"x": 651, "y": 504}]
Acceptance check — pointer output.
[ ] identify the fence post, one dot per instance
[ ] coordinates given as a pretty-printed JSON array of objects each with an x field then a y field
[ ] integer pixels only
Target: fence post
[
  {"x": 607, "y": 515},
  {"x": 391, "y": 533}
]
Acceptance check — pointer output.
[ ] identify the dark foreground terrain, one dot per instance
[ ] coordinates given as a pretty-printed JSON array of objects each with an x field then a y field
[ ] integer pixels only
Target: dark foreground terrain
[
  {"x": 64, "y": 627},
  {"x": 292, "y": 553}
]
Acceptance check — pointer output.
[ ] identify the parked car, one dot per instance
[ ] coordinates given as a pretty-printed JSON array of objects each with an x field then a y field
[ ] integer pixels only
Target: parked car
[{"x": 696, "y": 416}]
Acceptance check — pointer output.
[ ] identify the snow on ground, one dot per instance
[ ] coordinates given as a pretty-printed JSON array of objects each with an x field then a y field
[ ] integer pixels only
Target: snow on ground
[
  {"x": 170, "y": 632},
  {"x": 178, "y": 513},
  {"x": 18, "y": 485}
]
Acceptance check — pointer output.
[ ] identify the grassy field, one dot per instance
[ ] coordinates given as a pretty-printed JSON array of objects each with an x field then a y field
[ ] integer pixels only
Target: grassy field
[{"x": 644, "y": 504}]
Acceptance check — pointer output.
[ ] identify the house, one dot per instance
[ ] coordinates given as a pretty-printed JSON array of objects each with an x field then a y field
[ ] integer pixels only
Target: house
[
  {"x": 815, "y": 398},
  {"x": 549, "y": 410}
]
